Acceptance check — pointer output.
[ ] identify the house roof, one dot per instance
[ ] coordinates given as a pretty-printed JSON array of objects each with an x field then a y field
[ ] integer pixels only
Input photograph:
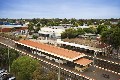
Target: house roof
[
  {"x": 83, "y": 61},
  {"x": 10, "y": 29},
  {"x": 52, "y": 50}
]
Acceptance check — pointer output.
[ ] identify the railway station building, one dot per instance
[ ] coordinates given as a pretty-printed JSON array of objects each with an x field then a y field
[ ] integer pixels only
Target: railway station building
[{"x": 67, "y": 57}]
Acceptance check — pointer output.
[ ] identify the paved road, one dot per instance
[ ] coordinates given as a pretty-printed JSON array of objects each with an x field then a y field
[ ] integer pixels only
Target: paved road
[{"x": 96, "y": 75}]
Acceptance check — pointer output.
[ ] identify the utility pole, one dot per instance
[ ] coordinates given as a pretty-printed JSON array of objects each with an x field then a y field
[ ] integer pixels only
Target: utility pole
[
  {"x": 36, "y": 50},
  {"x": 59, "y": 71},
  {"x": 95, "y": 53},
  {"x": 8, "y": 60}
]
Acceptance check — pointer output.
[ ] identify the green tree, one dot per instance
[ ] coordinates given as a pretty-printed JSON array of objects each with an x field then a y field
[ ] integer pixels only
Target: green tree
[
  {"x": 118, "y": 24},
  {"x": 4, "y": 56},
  {"x": 101, "y": 28},
  {"x": 81, "y": 22},
  {"x": 52, "y": 76},
  {"x": 39, "y": 74},
  {"x": 112, "y": 37},
  {"x": 63, "y": 35},
  {"x": 34, "y": 21},
  {"x": 44, "y": 22},
  {"x": 90, "y": 30},
  {"x": 69, "y": 33},
  {"x": 13, "y": 29},
  {"x": 30, "y": 27},
  {"x": 24, "y": 67},
  {"x": 80, "y": 31},
  {"x": 89, "y": 22},
  {"x": 34, "y": 36},
  {"x": 65, "y": 21}
]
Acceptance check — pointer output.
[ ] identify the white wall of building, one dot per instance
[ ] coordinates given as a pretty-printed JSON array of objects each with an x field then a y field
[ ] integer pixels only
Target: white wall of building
[{"x": 52, "y": 31}]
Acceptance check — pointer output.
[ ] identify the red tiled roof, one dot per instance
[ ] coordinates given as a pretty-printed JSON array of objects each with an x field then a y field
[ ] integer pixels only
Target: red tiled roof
[
  {"x": 83, "y": 61},
  {"x": 56, "y": 50},
  {"x": 5, "y": 30},
  {"x": 10, "y": 29}
]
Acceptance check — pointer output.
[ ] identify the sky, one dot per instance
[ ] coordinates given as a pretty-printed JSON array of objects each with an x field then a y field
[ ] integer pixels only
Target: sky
[{"x": 79, "y": 9}]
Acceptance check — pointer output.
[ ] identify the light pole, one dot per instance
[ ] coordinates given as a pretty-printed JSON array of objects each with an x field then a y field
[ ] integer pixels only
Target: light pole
[
  {"x": 36, "y": 50},
  {"x": 59, "y": 71},
  {"x": 8, "y": 60},
  {"x": 95, "y": 54}
]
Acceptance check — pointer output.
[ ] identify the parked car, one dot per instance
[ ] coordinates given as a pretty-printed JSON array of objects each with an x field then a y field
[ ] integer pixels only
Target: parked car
[
  {"x": 3, "y": 74},
  {"x": 2, "y": 70},
  {"x": 12, "y": 78},
  {"x": 6, "y": 77}
]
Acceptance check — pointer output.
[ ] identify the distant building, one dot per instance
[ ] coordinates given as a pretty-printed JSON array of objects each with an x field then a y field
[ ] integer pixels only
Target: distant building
[
  {"x": 13, "y": 28},
  {"x": 83, "y": 27},
  {"x": 114, "y": 22},
  {"x": 53, "y": 31},
  {"x": 66, "y": 25}
]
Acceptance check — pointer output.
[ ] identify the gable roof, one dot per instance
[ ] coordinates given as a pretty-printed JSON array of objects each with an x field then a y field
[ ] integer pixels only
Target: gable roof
[
  {"x": 53, "y": 50},
  {"x": 83, "y": 61}
]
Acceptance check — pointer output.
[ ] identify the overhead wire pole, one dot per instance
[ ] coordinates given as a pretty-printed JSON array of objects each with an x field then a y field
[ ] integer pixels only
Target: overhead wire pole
[
  {"x": 59, "y": 71},
  {"x": 8, "y": 60},
  {"x": 95, "y": 53}
]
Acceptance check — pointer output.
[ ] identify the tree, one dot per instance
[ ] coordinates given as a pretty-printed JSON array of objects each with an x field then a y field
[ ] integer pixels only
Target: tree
[
  {"x": 34, "y": 36},
  {"x": 101, "y": 28},
  {"x": 112, "y": 37},
  {"x": 69, "y": 33},
  {"x": 63, "y": 35},
  {"x": 51, "y": 76},
  {"x": 39, "y": 74},
  {"x": 90, "y": 30},
  {"x": 30, "y": 27},
  {"x": 4, "y": 56},
  {"x": 118, "y": 24},
  {"x": 24, "y": 67},
  {"x": 13, "y": 29},
  {"x": 72, "y": 33},
  {"x": 44, "y": 22},
  {"x": 65, "y": 21},
  {"x": 89, "y": 22},
  {"x": 81, "y": 22},
  {"x": 80, "y": 31}
]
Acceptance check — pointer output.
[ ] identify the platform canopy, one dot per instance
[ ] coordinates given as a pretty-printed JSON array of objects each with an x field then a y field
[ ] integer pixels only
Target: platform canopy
[
  {"x": 78, "y": 45},
  {"x": 53, "y": 50},
  {"x": 83, "y": 61}
]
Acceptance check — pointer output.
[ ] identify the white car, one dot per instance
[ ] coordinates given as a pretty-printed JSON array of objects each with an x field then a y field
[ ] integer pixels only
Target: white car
[
  {"x": 2, "y": 70},
  {"x": 3, "y": 74},
  {"x": 12, "y": 78}
]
